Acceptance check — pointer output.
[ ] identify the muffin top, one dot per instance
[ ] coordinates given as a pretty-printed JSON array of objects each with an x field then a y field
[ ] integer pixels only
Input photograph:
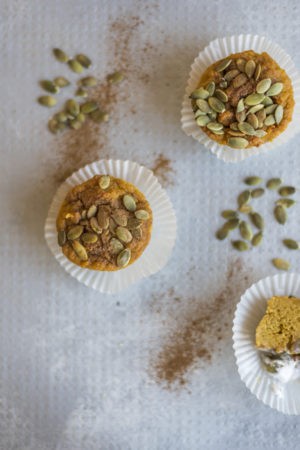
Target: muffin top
[
  {"x": 279, "y": 329},
  {"x": 244, "y": 100},
  {"x": 104, "y": 224}
]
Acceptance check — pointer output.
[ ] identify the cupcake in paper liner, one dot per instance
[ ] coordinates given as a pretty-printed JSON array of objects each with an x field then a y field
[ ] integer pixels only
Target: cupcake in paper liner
[
  {"x": 242, "y": 97},
  {"x": 109, "y": 223},
  {"x": 266, "y": 335}
]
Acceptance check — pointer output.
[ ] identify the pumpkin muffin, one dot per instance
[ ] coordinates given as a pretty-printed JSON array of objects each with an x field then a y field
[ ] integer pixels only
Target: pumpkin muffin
[
  {"x": 244, "y": 100},
  {"x": 104, "y": 224}
]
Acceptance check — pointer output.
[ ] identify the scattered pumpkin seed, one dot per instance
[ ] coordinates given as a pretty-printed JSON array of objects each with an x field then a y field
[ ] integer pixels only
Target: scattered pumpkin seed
[
  {"x": 285, "y": 191},
  {"x": 275, "y": 89},
  {"x": 229, "y": 214},
  {"x": 80, "y": 251},
  {"x": 245, "y": 230},
  {"x": 200, "y": 93},
  {"x": 223, "y": 84},
  {"x": 123, "y": 258},
  {"x": 104, "y": 181},
  {"x": 291, "y": 244},
  {"x": 241, "y": 246},
  {"x": 240, "y": 63},
  {"x": 221, "y": 95},
  {"x": 254, "y": 99},
  {"x": 142, "y": 214},
  {"x": 244, "y": 198},
  {"x": 211, "y": 88},
  {"x": 75, "y": 232},
  {"x": 274, "y": 183},
  {"x": 103, "y": 218},
  {"x": 60, "y": 55},
  {"x": 222, "y": 65},
  {"x": 75, "y": 124},
  {"x": 250, "y": 68},
  {"x": 99, "y": 116},
  {"x": 89, "y": 238},
  {"x": 123, "y": 235},
  {"x": 83, "y": 60},
  {"x": 75, "y": 66},
  {"x": 47, "y": 100},
  {"x": 129, "y": 202},
  {"x": 231, "y": 224},
  {"x": 239, "y": 80},
  {"x": 61, "y": 238},
  {"x": 222, "y": 233},
  {"x": 257, "y": 220},
  {"x": 231, "y": 74},
  {"x": 246, "y": 128},
  {"x": 61, "y": 82},
  {"x": 237, "y": 142},
  {"x": 53, "y": 126},
  {"x": 285, "y": 202},
  {"x": 281, "y": 264},
  {"x": 49, "y": 86},
  {"x": 133, "y": 223},
  {"x": 256, "y": 193},
  {"x": 81, "y": 93},
  {"x": 253, "y": 181},
  {"x": 116, "y": 246},
  {"x": 278, "y": 114},
  {"x": 95, "y": 225},
  {"x": 263, "y": 85},
  {"x": 245, "y": 209},
  {"x": 72, "y": 107},
  {"x": 81, "y": 117},
  {"x": 88, "y": 81},
  {"x": 115, "y": 77},
  {"x": 92, "y": 211},
  {"x": 61, "y": 117},
  {"x": 257, "y": 238},
  {"x": 88, "y": 107},
  {"x": 280, "y": 214},
  {"x": 120, "y": 217}
]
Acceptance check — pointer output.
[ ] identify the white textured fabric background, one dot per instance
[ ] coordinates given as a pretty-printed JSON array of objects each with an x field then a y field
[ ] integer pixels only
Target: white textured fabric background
[{"x": 75, "y": 366}]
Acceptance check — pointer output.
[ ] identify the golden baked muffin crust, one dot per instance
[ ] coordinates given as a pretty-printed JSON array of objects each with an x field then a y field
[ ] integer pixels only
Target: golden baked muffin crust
[
  {"x": 279, "y": 329},
  {"x": 104, "y": 224},
  {"x": 244, "y": 100}
]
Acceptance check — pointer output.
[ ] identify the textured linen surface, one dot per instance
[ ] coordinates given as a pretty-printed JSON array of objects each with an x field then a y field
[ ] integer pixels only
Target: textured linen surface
[{"x": 76, "y": 366}]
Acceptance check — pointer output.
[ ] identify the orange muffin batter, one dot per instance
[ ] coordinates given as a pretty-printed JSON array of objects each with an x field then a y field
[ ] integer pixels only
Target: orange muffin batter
[
  {"x": 244, "y": 100},
  {"x": 104, "y": 224}
]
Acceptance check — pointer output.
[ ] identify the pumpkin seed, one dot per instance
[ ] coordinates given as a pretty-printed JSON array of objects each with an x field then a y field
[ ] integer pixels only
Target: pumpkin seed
[
  {"x": 254, "y": 99},
  {"x": 245, "y": 209},
  {"x": 222, "y": 65},
  {"x": 115, "y": 77},
  {"x": 231, "y": 224},
  {"x": 104, "y": 181},
  {"x": 222, "y": 233},
  {"x": 260, "y": 133},
  {"x": 257, "y": 72},
  {"x": 75, "y": 232},
  {"x": 103, "y": 218},
  {"x": 263, "y": 85},
  {"x": 257, "y": 238},
  {"x": 123, "y": 258},
  {"x": 49, "y": 86},
  {"x": 83, "y": 60},
  {"x": 235, "y": 133},
  {"x": 250, "y": 68},
  {"x": 133, "y": 222},
  {"x": 81, "y": 93},
  {"x": 281, "y": 264},
  {"x": 240, "y": 63},
  {"x": 221, "y": 95},
  {"x": 229, "y": 214},
  {"x": 200, "y": 93},
  {"x": 241, "y": 246},
  {"x": 81, "y": 117},
  {"x": 72, "y": 107},
  {"x": 257, "y": 220},
  {"x": 256, "y": 193},
  {"x": 285, "y": 202},
  {"x": 75, "y": 66},
  {"x": 112, "y": 226},
  {"x": 92, "y": 211},
  {"x": 89, "y": 238},
  {"x": 285, "y": 191},
  {"x": 274, "y": 183},
  {"x": 47, "y": 100},
  {"x": 123, "y": 235},
  {"x": 231, "y": 74},
  {"x": 61, "y": 82},
  {"x": 95, "y": 225},
  {"x": 216, "y": 104},
  {"x": 129, "y": 203},
  {"x": 267, "y": 101},
  {"x": 270, "y": 109},
  {"x": 253, "y": 120},
  {"x": 214, "y": 126},
  {"x": 75, "y": 124},
  {"x": 275, "y": 89},
  {"x": 80, "y": 251},
  {"x": 60, "y": 55},
  {"x": 261, "y": 115},
  {"x": 223, "y": 84},
  {"x": 237, "y": 142},
  {"x": 234, "y": 126},
  {"x": 278, "y": 114},
  {"x": 53, "y": 126},
  {"x": 239, "y": 80},
  {"x": 218, "y": 132},
  {"x": 88, "y": 81},
  {"x": 84, "y": 214},
  {"x": 116, "y": 246},
  {"x": 199, "y": 113},
  {"x": 246, "y": 128},
  {"x": 99, "y": 116},
  {"x": 142, "y": 214},
  {"x": 291, "y": 244},
  {"x": 280, "y": 214},
  {"x": 120, "y": 217},
  {"x": 245, "y": 231},
  {"x": 254, "y": 109},
  {"x": 240, "y": 106},
  {"x": 240, "y": 116},
  {"x": 244, "y": 198},
  {"x": 88, "y": 107},
  {"x": 203, "y": 105},
  {"x": 269, "y": 121},
  {"x": 202, "y": 121},
  {"x": 61, "y": 117},
  {"x": 61, "y": 238},
  {"x": 211, "y": 88}
]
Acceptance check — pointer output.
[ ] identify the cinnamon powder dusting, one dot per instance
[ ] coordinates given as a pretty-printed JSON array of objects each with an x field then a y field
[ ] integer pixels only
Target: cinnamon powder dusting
[
  {"x": 163, "y": 170},
  {"x": 197, "y": 337}
]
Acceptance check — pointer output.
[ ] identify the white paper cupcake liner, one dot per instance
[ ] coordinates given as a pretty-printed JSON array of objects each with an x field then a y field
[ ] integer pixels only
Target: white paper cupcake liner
[
  {"x": 219, "y": 49},
  {"x": 251, "y": 308},
  {"x": 162, "y": 239}
]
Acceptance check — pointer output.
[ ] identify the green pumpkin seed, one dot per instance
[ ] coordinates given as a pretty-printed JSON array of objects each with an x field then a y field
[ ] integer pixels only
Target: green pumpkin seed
[
  {"x": 61, "y": 238},
  {"x": 115, "y": 77},
  {"x": 103, "y": 218},
  {"x": 75, "y": 232},
  {"x": 223, "y": 84},
  {"x": 257, "y": 72},
  {"x": 246, "y": 128},
  {"x": 47, "y": 100},
  {"x": 88, "y": 81},
  {"x": 116, "y": 246},
  {"x": 267, "y": 101},
  {"x": 263, "y": 85},
  {"x": 199, "y": 113},
  {"x": 275, "y": 89},
  {"x": 92, "y": 211},
  {"x": 203, "y": 105},
  {"x": 200, "y": 93},
  {"x": 231, "y": 74},
  {"x": 240, "y": 106},
  {"x": 84, "y": 214},
  {"x": 244, "y": 198},
  {"x": 221, "y": 95},
  {"x": 88, "y": 107},
  {"x": 229, "y": 214},
  {"x": 254, "y": 99},
  {"x": 81, "y": 93},
  {"x": 231, "y": 224},
  {"x": 237, "y": 142},
  {"x": 245, "y": 209},
  {"x": 99, "y": 116},
  {"x": 216, "y": 104},
  {"x": 89, "y": 238},
  {"x": 129, "y": 203},
  {"x": 72, "y": 107},
  {"x": 222, "y": 233},
  {"x": 211, "y": 88},
  {"x": 104, "y": 181},
  {"x": 142, "y": 214},
  {"x": 80, "y": 251},
  {"x": 133, "y": 223},
  {"x": 235, "y": 133},
  {"x": 81, "y": 117},
  {"x": 260, "y": 133},
  {"x": 53, "y": 126},
  {"x": 83, "y": 60},
  {"x": 270, "y": 109},
  {"x": 61, "y": 82},
  {"x": 95, "y": 225},
  {"x": 261, "y": 115},
  {"x": 75, "y": 66},
  {"x": 291, "y": 244},
  {"x": 240, "y": 63},
  {"x": 257, "y": 220},
  {"x": 245, "y": 231},
  {"x": 240, "y": 116},
  {"x": 75, "y": 124},
  {"x": 202, "y": 121},
  {"x": 215, "y": 126},
  {"x": 234, "y": 126},
  {"x": 286, "y": 202},
  {"x": 123, "y": 235},
  {"x": 123, "y": 258},
  {"x": 280, "y": 214},
  {"x": 253, "y": 181},
  {"x": 270, "y": 120},
  {"x": 257, "y": 238},
  {"x": 218, "y": 132},
  {"x": 278, "y": 114},
  {"x": 49, "y": 86},
  {"x": 256, "y": 193},
  {"x": 274, "y": 183},
  {"x": 285, "y": 191},
  {"x": 255, "y": 109},
  {"x": 250, "y": 68},
  {"x": 253, "y": 121},
  {"x": 239, "y": 80},
  {"x": 222, "y": 65},
  {"x": 281, "y": 264},
  {"x": 241, "y": 246},
  {"x": 120, "y": 217},
  {"x": 61, "y": 117},
  {"x": 60, "y": 55}
]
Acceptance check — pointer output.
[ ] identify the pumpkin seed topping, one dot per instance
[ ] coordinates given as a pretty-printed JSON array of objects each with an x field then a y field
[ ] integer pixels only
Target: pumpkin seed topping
[
  {"x": 257, "y": 238},
  {"x": 291, "y": 244},
  {"x": 129, "y": 203},
  {"x": 104, "y": 182},
  {"x": 222, "y": 65},
  {"x": 60, "y": 55},
  {"x": 80, "y": 251},
  {"x": 83, "y": 60},
  {"x": 124, "y": 258},
  {"x": 273, "y": 183}
]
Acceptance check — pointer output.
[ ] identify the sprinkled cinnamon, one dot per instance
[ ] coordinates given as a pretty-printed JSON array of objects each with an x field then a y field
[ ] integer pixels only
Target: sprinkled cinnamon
[{"x": 162, "y": 168}]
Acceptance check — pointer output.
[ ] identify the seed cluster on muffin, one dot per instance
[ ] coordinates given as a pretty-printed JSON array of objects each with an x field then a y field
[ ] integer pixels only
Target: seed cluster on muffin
[
  {"x": 104, "y": 224},
  {"x": 243, "y": 100}
]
